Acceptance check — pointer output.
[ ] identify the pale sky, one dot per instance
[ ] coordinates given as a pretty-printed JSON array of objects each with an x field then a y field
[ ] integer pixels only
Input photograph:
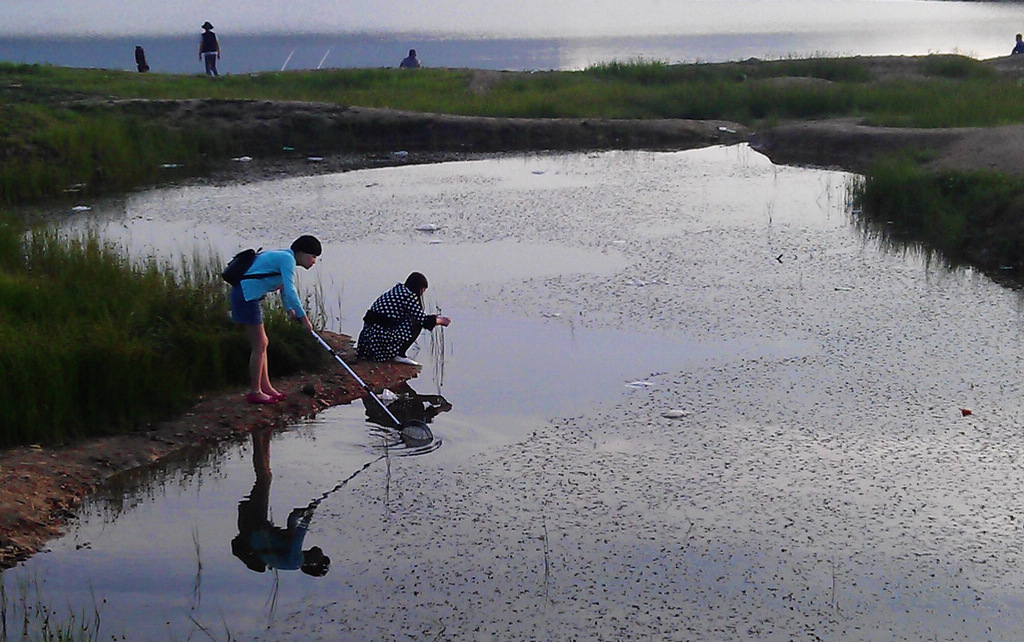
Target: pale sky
[{"x": 462, "y": 17}]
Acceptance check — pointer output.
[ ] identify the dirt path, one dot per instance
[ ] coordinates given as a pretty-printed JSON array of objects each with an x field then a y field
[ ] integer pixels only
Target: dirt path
[{"x": 846, "y": 144}]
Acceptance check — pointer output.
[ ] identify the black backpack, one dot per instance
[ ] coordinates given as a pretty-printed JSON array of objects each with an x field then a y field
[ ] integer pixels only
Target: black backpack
[{"x": 238, "y": 266}]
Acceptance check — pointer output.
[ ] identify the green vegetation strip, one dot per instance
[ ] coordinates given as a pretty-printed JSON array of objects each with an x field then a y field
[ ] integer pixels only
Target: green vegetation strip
[
  {"x": 61, "y": 127},
  {"x": 91, "y": 344}
]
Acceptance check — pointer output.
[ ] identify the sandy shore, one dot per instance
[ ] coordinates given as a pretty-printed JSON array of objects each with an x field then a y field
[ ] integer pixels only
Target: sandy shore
[{"x": 41, "y": 487}]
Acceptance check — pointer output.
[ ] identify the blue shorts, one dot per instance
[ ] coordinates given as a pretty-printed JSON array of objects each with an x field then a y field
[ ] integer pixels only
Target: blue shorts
[{"x": 242, "y": 311}]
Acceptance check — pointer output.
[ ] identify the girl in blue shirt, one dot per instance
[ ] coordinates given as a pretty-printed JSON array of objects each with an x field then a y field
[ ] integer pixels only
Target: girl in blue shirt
[{"x": 271, "y": 271}]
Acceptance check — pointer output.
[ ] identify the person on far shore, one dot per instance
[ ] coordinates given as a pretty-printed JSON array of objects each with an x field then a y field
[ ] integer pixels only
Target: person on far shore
[
  {"x": 393, "y": 322},
  {"x": 140, "y": 59},
  {"x": 410, "y": 61},
  {"x": 1019, "y": 47},
  {"x": 272, "y": 270},
  {"x": 209, "y": 49}
]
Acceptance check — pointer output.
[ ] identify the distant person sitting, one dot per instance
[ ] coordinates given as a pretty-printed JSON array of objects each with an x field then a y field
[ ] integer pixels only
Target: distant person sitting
[
  {"x": 1019, "y": 47},
  {"x": 140, "y": 59},
  {"x": 209, "y": 49},
  {"x": 410, "y": 61}
]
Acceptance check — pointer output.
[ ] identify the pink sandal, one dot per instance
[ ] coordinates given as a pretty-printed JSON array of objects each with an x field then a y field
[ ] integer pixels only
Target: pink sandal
[{"x": 256, "y": 397}]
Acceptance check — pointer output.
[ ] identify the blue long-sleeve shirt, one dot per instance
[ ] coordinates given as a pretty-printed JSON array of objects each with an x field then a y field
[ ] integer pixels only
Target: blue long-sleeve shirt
[{"x": 280, "y": 265}]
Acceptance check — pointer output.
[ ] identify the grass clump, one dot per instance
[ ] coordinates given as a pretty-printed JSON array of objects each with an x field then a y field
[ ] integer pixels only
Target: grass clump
[
  {"x": 970, "y": 218},
  {"x": 92, "y": 344},
  {"x": 955, "y": 67},
  {"x": 49, "y": 149}
]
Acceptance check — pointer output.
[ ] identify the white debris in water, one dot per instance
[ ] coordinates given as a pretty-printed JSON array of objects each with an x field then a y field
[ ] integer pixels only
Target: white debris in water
[
  {"x": 80, "y": 208},
  {"x": 314, "y": 159},
  {"x": 170, "y": 165},
  {"x": 675, "y": 414},
  {"x": 551, "y": 315},
  {"x": 242, "y": 159},
  {"x": 640, "y": 384},
  {"x": 428, "y": 227}
]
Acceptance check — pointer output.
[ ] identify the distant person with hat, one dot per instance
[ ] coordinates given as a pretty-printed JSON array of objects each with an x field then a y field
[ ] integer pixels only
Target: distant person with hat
[
  {"x": 410, "y": 61},
  {"x": 209, "y": 49}
]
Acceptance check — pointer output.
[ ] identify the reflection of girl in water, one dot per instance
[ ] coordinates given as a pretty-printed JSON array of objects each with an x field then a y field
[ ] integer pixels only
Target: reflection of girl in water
[{"x": 259, "y": 543}]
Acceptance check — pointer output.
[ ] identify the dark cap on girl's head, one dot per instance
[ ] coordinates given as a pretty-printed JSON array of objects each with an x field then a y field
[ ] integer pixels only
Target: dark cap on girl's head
[
  {"x": 308, "y": 244},
  {"x": 207, "y": 25}
]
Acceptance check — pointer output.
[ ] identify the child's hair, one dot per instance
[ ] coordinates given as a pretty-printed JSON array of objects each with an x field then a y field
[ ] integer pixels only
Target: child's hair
[
  {"x": 416, "y": 283},
  {"x": 308, "y": 244}
]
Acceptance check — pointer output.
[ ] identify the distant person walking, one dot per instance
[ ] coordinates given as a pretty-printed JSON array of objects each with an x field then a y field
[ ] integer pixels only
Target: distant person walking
[
  {"x": 140, "y": 59},
  {"x": 410, "y": 61},
  {"x": 209, "y": 49},
  {"x": 1019, "y": 47}
]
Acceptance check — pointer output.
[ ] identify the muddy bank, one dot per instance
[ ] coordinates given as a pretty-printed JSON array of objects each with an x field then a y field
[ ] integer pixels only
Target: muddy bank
[
  {"x": 273, "y": 127},
  {"x": 848, "y": 145},
  {"x": 289, "y": 137},
  {"x": 40, "y": 488}
]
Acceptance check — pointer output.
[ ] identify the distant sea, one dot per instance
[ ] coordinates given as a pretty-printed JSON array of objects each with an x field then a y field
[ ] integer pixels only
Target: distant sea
[
  {"x": 250, "y": 53},
  {"x": 259, "y": 53}
]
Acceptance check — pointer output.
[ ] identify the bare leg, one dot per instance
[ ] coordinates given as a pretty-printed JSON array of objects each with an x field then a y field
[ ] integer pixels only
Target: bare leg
[{"x": 259, "y": 373}]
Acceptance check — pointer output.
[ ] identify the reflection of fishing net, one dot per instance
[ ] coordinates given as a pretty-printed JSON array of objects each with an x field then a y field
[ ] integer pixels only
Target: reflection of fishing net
[
  {"x": 308, "y": 510},
  {"x": 415, "y": 433}
]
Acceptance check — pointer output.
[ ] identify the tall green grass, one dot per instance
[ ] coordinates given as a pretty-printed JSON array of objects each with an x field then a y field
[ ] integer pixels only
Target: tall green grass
[
  {"x": 61, "y": 127},
  {"x": 92, "y": 343},
  {"x": 974, "y": 218},
  {"x": 50, "y": 149}
]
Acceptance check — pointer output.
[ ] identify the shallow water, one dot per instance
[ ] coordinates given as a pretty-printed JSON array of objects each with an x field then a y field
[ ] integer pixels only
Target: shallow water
[{"x": 690, "y": 401}]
